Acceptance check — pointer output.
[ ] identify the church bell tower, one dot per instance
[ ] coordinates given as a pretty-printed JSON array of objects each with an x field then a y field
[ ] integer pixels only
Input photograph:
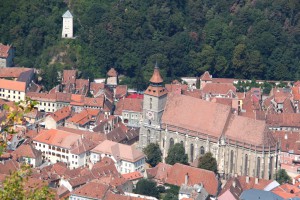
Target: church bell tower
[{"x": 153, "y": 106}]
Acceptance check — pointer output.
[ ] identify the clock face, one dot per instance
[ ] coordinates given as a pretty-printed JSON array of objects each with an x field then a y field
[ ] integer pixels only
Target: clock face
[{"x": 149, "y": 115}]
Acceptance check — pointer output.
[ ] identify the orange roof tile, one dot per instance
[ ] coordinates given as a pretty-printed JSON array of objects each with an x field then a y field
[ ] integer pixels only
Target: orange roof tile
[
  {"x": 112, "y": 72},
  {"x": 91, "y": 190},
  {"x": 69, "y": 76},
  {"x": 4, "y": 49},
  {"x": 206, "y": 76},
  {"x": 133, "y": 176},
  {"x": 13, "y": 85},
  {"x": 61, "y": 113},
  {"x": 12, "y": 72},
  {"x": 156, "y": 77},
  {"x": 218, "y": 88}
]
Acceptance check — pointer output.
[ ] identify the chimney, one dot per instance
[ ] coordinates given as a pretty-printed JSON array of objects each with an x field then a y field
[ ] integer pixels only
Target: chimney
[
  {"x": 247, "y": 179},
  {"x": 186, "y": 179},
  {"x": 294, "y": 181},
  {"x": 256, "y": 180}
]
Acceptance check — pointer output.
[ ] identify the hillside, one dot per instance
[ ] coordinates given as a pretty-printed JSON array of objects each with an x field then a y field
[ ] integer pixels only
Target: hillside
[{"x": 255, "y": 39}]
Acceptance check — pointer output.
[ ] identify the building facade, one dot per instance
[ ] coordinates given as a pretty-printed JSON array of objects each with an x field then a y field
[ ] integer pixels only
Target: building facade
[{"x": 67, "y": 30}]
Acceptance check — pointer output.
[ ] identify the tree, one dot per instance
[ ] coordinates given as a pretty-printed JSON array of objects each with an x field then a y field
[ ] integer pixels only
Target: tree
[
  {"x": 208, "y": 162},
  {"x": 177, "y": 154},
  {"x": 170, "y": 196},
  {"x": 146, "y": 187},
  {"x": 282, "y": 176},
  {"x": 153, "y": 154},
  {"x": 14, "y": 187}
]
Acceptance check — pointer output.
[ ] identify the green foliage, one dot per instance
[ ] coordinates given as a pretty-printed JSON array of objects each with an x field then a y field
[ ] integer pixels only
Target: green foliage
[
  {"x": 153, "y": 154},
  {"x": 208, "y": 162},
  {"x": 258, "y": 40},
  {"x": 177, "y": 154},
  {"x": 13, "y": 188},
  {"x": 146, "y": 187},
  {"x": 172, "y": 192},
  {"x": 282, "y": 177}
]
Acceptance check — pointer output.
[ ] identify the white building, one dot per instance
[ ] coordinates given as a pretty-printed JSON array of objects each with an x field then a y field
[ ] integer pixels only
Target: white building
[
  {"x": 67, "y": 30},
  {"x": 58, "y": 145},
  {"x": 12, "y": 90},
  {"x": 127, "y": 158}
]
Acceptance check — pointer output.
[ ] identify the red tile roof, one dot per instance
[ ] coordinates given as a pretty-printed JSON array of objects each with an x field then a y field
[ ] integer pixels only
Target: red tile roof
[
  {"x": 91, "y": 190},
  {"x": 121, "y": 91},
  {"x": 283, "y": 120},
  {"x": 218, "y": 88},
  {"x": 13, "y": 85},
  {"x": 156, "y": 77},
  {"x": 4, "y": 49},
  {"x": 211, "y": 121},
  {"x": 112, "y": 72},
  {"x": 12, "y": 72},
  {"x": 287, "y": 191},
  {"x": 206, "y": 76},
  {"x": 69, "y": 76},
  {"x": 177, "y": 174},
  {"x": 128, "y": 104},
  {"x": 289, "y": 141},
  {"x": 62, "y": 113},
  {"x": 27, "y": 150},
  {"x": 133, "y": 176}
]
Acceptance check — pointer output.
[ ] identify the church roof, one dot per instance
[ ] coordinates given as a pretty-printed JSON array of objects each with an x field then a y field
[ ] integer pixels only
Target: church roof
[
  {"x": 156, "y": 77},
  {"x": 67, "y": 14}
]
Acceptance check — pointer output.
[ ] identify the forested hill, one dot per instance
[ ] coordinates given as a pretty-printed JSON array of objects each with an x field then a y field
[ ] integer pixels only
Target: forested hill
[{"x": 231, "y": 38}]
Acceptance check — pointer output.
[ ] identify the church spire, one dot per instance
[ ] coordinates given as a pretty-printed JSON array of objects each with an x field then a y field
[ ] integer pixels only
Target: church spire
[{"x": 156, "y": 77}]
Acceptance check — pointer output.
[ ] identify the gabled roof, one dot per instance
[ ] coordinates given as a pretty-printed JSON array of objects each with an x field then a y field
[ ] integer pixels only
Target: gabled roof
[
  {"x": 128, "y": 104},
  {"x": 4, "y": 49},
  {"x": 13, "y": 85},
  {"x": 133, "y": 176},
  {"x": 12, "y": 72},
  {"x": 178, "y": 173},
  {"x": 67, "y": 14},
  {"x": 218, "y": 88},
  {"x": 112, "y": 72},
  {"x": 119, "y": 151},
  {"x": 206, "y": 76},
  {"x": 91, "y": 190},
  {"x": 27, "y": 150},
  {"x": 254, "y": 194},
  {"x": 61, "y": 114},
  {"x": 69, "y": 76},
  {"x": 195, "y": 114}
]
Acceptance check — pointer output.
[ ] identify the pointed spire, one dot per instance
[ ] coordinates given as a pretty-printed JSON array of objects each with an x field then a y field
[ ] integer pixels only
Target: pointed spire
[{"x": 156, "y": 77}]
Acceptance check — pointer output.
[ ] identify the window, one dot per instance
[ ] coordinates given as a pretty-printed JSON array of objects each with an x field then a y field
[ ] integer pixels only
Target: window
[
  {"x": 258, "y": 167},
  {"x": 246, "y": 165},
  {"x": 171, "y": 142},
  {"x": 148, "y": 136},
  {"x": 192, "y": 152},
  {"x": 202, "y": 151},
  {"x": 271, "y": 168},
  {"x": 150, "y": 103},
  {"x": 231, "y": 161}
]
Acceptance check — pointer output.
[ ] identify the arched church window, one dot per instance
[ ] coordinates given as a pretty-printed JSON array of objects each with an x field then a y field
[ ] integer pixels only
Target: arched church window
[
  {"x": 150, "y": 106},
  {"x": 231, "y": 161},
  {"x": 258, "y": 167},
  {"x": 192, "y": 152},
  {"x": 246, "y": 165},
  {"x": 271, "y": 168},
  {"x": 163, "y": 144},
  {"x": 171, "y": 142},
  {"x": 202, "y": 151}
]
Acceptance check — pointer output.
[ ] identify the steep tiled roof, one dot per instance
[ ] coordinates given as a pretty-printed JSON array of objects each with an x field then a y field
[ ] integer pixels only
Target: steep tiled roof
[
  {"x": 178, "y": 172},
  {"x": 284, "y": 119},
  {"x": 91, "y": 190},
  {"x": 94, "y": 102},
  {"x": 12, "y": 72},
  {"x": 80, "y": 83},
  {"x": 84, "y": 116},
  {"x": 61, "y": 114},
  {"x": 121, "y": 91},
  {"x": 9, "y": 166},
  {"x": 296, "y": 93},
  {"x": 26, "y": 150},
  {"x": 287, "y": 191},
  {"x": 119, "y": 151},
  {"x": 128, "y": 104},
  {"x": 159, "y": 172},
  {"x": 195, "y": 114},
  {"x": 13, "y": 85},
  {"x": 156, "y": 77},
  {"x": 253, "y": 132},
  {"x": 288, "y": 141},
  {"x": 206, "y": 76},
  {"x": 112, "y": 72},
  {"x": 218, "y": 88},
  {"x": 133, "y": 176},
  {"x": 156, "y": 91},
  {"x": 69, "y": 76},
  {"x": 4, "y": 49},
  {"x": 42, "y": 96},
  {"x": 96, "y": 87}
]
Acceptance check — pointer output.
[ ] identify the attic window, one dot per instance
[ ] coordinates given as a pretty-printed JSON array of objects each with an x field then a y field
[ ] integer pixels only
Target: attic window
[
  {"x": 154, "y": 90},
  {"x": 149, "y": 90}
]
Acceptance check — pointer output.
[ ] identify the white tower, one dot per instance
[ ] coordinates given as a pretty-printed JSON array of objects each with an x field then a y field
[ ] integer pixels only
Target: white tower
[{"x": 67, "y": 30}]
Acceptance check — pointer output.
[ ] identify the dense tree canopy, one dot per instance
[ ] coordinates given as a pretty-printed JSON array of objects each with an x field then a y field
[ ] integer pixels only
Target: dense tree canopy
[
  {"x": 146, "y": 187},
  {"x": 176, "y": 154},
  {"x": 243, "y": 39},
  {"x": 207, "y": 161},
  {"x": 282, "y": 177},
  {"x": 153, "y": 154}
]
